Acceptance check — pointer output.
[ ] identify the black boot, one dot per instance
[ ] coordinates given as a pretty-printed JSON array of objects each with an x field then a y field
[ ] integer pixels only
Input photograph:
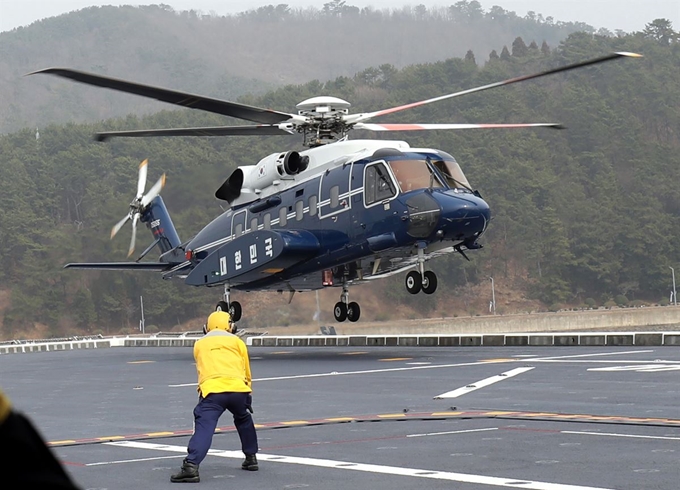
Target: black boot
[
  {"x": 250, "y": 463},
  {"x": 188, "y": 474}
]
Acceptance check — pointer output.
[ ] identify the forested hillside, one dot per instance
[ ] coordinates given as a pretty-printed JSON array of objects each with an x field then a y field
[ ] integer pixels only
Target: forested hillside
[
  {"x": 229, "y": 56},
  {"x": 582, "y": 216}
]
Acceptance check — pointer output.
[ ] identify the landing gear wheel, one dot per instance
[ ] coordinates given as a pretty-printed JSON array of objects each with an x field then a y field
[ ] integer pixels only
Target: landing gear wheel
[
  {"x": 235, "y": 311},
  {"x": 340, "y": 311},
  {"x": 222, "y": 306},
  {"x": 429, "y": 282},
  {"x": 414, "y": 282},
  {"x": 353, "y": 311}
]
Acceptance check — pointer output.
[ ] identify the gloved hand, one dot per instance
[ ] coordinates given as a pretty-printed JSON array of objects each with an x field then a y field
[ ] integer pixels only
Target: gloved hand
[{"x": 249, "y": 403}]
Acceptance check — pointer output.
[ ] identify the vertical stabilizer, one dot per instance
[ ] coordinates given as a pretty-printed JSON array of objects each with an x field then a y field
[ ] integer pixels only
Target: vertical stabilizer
[{"x": 158, "y": 220}]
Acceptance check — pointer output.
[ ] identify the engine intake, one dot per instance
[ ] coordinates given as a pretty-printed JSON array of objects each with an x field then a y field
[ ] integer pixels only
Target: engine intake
[{"x": 294, "y": 163}]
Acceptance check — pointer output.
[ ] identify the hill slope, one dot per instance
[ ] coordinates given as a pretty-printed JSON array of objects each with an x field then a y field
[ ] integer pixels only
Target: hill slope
[{"x": 230, "y": 56}]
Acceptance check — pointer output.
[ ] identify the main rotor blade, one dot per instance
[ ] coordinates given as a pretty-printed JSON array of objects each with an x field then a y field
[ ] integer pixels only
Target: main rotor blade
[
  {"x": 233, "y": 109},
  {"x": 119, "y": 225},
  {"x": 134, "y": 234},
  {"x": 153, "y": 192},
  {"x": 141, "y": 182},
  {"x": 420, "y": 127},
  {"x": 369, "y": 115},
  {"x": 259, "y": 130}
]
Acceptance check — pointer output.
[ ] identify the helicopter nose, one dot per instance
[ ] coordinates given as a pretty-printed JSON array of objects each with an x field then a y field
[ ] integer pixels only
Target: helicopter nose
[{"x": 464, "y": 216}]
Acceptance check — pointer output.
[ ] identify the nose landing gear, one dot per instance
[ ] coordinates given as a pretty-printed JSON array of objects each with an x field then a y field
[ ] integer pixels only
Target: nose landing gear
[
  {"x": 421, "y": 280},
  {"x": 232, "y": 307},
  {"x": 344, "y": 310}
]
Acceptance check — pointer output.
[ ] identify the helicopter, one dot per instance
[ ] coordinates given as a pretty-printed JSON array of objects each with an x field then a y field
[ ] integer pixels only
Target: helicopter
[{"x": 339, "y": 213}]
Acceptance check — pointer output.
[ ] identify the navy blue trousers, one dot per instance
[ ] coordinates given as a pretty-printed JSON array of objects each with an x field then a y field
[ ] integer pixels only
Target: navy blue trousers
[{"x": 206, "y": 416}]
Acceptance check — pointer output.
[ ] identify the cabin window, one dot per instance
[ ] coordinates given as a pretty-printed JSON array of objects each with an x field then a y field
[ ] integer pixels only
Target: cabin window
[
  {"x": 378, "y": 185},
  {"x": 238, "y": 230},
  {"x": 299, "y": 210},
  {"x": 283, "y": 216},
  {"x": 267, "y": 221},
  {"x": 313, "y": 201},
  {"x": 335, "y": 196},
  {"x": 253, "y": 224}
]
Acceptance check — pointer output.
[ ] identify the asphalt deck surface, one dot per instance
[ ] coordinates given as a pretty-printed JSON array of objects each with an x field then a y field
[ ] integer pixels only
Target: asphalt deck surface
[{"x": 546, "y": 418}]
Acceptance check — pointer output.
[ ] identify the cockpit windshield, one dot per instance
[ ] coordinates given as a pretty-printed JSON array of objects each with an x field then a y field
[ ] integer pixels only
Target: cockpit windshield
[{"x": 416, "y": 174}]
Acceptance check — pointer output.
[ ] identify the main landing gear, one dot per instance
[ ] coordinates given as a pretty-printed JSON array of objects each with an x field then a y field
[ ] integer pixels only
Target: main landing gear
[
  {"x": 232, "y": 307},
  {"x": 344, "y": 310},
  {"x": 421, "y": 280}
]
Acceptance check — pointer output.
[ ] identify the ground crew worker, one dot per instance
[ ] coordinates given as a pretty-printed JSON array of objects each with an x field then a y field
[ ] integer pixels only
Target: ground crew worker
[
  {"x": 33, "y": 464},
  {"x": 224, "y": 383}
]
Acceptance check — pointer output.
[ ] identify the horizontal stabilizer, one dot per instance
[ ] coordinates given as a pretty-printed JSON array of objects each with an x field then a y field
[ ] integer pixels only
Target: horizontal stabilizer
[{"x": 121, "y": 266}]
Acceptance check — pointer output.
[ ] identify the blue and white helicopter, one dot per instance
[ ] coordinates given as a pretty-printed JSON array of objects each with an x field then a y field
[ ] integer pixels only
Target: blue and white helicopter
[{"x": 339, "y": 213}]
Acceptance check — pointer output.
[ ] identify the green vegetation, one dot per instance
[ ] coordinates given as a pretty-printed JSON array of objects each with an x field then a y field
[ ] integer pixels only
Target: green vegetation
[{"x": 588, "y": 212}]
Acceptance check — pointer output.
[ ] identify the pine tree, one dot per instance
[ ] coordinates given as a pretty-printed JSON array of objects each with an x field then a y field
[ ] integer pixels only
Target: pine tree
[
  {"x": 545, "y": 49},
  {"x": 519, "y": 49},
  {"x": 470, "y": 57}
]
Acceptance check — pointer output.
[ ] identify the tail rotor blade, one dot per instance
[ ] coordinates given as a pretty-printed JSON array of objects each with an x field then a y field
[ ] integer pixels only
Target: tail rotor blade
[
  {"x": 119, "y": 225},
  {"x": 134, "y": 234},
  {"x": 153, "y": 192},
  {"x": 141, "y": 183}
]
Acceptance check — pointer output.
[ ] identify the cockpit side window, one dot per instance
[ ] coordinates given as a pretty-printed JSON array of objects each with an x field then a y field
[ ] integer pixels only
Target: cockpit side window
[
  {"x": 378, "y": 184},
  {"x": 452, "y": 173}
]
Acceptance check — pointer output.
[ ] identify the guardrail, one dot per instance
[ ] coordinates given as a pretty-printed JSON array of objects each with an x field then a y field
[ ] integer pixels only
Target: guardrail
[
  {"x": 160, "y": 339},
  {"x": 187, "y": 339},
  {"x": 463, "y": 340}
]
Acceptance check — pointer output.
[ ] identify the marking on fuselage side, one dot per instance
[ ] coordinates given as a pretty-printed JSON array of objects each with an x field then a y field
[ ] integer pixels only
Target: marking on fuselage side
[
  {"x": 395, "y": 359},
  {"x": 140, "y": 362},
  {"x": 371, "y": 468},
  {"x": 482, "y": 383}
]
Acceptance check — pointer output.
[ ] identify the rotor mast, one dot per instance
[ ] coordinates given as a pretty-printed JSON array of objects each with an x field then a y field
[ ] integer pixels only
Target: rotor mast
[{"x": 326, "y": 116}]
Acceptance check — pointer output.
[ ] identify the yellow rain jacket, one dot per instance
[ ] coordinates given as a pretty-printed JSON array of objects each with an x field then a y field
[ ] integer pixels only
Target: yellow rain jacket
[
  {"x": 5, "y": 407},
  {"x": 222, "y": 363}
]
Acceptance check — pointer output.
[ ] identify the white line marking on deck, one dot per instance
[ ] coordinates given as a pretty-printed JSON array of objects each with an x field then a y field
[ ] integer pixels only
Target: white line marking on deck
[
  {"x": 452, "y": 432},
  {"x": 574, "y": 356},
  {"x": 372, "y": 468},
  {"x": 642, "y": 368},
  {"x": 346, "y": 373},
  {"x": 102, "y": 463},
  {"x": 482, "y": 383},
  {"x": 610, "y": 434}
]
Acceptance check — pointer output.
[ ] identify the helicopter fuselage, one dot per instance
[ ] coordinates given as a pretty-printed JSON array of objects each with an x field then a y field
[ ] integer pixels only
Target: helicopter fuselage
[{"x": 355, "y": 218}]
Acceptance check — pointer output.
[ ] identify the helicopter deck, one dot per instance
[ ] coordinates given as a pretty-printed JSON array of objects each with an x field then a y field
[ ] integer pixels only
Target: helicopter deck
[{"x": 484, "y": 417}]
